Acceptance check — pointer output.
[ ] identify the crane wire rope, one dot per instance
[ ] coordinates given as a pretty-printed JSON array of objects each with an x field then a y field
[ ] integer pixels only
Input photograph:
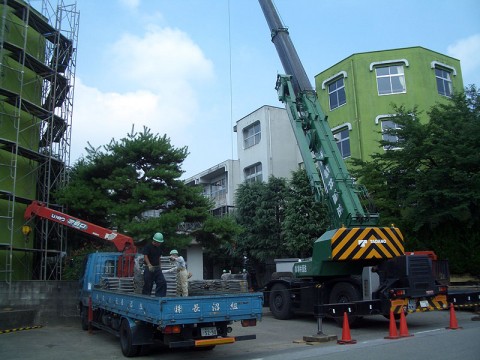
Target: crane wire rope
[{"x": 230, "y": 78}]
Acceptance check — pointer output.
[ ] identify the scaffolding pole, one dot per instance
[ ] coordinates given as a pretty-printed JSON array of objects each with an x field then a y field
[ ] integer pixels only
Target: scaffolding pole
[{"x": 38, "y": 42}]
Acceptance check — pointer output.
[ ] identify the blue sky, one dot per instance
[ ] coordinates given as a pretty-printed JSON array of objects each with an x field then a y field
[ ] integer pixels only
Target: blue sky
[{"x": 191, "y": 68}]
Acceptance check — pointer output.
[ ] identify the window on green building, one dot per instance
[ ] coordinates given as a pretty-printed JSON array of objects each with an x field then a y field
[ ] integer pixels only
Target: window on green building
[
  {"x": 386, "y": 125},
  {"x": 336, "y": 93},
  {"x": 444, "y": 82},
  {"x": 342, "y": 138},
  {"x": 253, "y": 173},
  {"x": 390, "y": 80}
]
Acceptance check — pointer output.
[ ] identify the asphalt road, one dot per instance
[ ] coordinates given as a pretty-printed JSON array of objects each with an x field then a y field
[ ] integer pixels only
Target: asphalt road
[{"x": 276, "y": 340}]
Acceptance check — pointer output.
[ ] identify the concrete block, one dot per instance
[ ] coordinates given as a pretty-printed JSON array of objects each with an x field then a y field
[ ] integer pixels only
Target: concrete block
[
  {"x": 15, "y": 319},
  {"x": 320, "y": 338}
]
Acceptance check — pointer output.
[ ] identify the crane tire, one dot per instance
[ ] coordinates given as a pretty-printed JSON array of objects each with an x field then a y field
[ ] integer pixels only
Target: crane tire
[
  {"x": 280, "y": 302},
  {"x": 282, "y": 274},
  {"x": 395, "y": 316},
  {"x": 345, "y": 292}
]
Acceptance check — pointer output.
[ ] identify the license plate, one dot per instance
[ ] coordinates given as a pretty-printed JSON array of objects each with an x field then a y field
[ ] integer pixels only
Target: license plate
[
  {"x": 423, "y": 303},
  {"x": 208, "y": 331}
]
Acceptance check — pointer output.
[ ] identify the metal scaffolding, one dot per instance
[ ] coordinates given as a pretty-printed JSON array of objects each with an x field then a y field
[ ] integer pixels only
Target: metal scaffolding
[{"x": 38, "y": 42}]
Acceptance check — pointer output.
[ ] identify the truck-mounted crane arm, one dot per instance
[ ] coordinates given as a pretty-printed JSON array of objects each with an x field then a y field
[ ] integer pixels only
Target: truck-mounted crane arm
[{"x": 122, "y": 242}]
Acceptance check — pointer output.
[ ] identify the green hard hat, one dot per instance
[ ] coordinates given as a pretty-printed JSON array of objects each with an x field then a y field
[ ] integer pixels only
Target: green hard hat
[
  {"x": 158, "y": 237},
  {"x": 174, "y": 252}
]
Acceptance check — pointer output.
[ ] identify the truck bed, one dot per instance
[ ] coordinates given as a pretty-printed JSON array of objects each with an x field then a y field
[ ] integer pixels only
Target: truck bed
[{"x": 180, "y": 310}]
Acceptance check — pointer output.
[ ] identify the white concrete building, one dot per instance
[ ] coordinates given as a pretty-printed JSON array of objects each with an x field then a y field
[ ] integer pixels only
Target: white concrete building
[
  {"x": 219, "y": 183},
  {"x": 266, "y": 146}
]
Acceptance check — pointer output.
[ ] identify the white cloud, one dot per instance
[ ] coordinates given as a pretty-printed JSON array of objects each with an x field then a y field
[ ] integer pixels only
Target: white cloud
[
  {"x": 467, "y": 51},
  {"x": 163, "y": 57},
  {"x": 98, "y": 117},
  {"x": 162, "y": 69},
  {"x": 130, "y": 4}
]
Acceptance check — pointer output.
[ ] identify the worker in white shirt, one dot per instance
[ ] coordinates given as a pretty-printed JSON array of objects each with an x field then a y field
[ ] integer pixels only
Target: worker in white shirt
[{"x": 182, "y": 273}]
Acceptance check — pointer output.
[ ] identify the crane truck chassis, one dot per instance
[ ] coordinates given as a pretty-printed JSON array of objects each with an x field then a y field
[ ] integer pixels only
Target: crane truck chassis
[
  {"x": 356, "y": 267},
  {"x": 202, "y": 321}
]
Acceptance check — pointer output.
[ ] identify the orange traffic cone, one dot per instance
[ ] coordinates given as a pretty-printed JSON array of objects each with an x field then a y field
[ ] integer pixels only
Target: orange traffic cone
[
  {"x": 346, "y": 338},
  {"x": 403, "y": 326},
  {"x": 453, "y": 319},
  {"x": 393, "y": 334}
]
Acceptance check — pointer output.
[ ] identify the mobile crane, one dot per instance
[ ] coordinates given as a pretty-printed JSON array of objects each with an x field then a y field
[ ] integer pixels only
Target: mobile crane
[
  {"x": 356, "y": 266},
  {"x": 138, "y": 320}
]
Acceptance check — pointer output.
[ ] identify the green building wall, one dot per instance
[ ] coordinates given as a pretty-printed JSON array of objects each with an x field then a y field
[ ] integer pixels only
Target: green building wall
[
  {"x": 363, "y": 104},
  {"x": 18, "y": 174}
]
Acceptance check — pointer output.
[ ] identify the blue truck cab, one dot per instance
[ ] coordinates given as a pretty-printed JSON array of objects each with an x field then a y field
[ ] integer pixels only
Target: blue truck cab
[{"x": 138, "y": 320}]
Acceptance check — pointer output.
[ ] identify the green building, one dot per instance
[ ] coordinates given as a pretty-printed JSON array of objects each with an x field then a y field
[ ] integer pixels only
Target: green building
[
  {"x": 37, "y": 58},
  {"x": 357, "y": 93}
]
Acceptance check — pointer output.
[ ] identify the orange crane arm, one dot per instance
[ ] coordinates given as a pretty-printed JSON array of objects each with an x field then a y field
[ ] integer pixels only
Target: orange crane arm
[{"x": 122, "y": 242}]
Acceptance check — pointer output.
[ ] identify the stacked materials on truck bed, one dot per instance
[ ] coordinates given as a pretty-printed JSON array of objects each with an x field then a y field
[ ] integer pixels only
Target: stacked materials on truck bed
[
  {"x": 206, "y": 287},
  {"x": 171, "y": 277},
  {"x": 229, "y": 284},
  {"x": 123, "y": 284}
]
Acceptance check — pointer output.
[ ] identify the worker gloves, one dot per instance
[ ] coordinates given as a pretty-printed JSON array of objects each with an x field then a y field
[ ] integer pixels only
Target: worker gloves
[{"x": 151, "y": 268}]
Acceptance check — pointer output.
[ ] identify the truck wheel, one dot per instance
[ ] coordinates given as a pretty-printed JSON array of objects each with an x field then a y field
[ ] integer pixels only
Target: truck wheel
[
  {"x": 344, "y": 292},
  {"x": 84, "y": 317},
  {"x": 126, "y": 339},
  {"x": 281, "y": 302}
]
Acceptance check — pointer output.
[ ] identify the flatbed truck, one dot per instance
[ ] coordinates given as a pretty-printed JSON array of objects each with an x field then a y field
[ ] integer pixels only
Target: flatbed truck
[{"x": 108, "y": 299}]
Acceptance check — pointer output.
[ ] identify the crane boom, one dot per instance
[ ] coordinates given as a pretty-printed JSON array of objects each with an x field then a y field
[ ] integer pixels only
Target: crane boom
[
  {"x": 322, "y": 159},
  {"x": 286, "y": 51},
  {"x": 122, "y": 242}
]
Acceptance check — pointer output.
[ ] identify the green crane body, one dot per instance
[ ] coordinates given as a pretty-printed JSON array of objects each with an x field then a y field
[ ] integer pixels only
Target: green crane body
[{"x": 354, "y": 240}]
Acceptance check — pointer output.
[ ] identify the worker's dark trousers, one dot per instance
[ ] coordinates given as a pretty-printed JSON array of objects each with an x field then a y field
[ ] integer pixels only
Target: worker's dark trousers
[{"x": 156, "y": 276}]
